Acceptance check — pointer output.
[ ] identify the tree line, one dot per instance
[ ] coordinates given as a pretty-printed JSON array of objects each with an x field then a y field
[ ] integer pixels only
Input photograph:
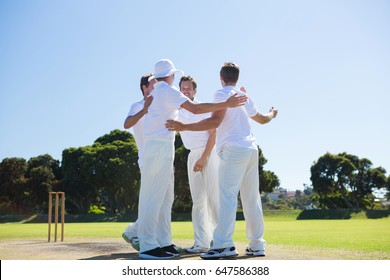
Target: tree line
[
  {"x": 347, "y": 181},
  {"x": 104, "y": 177}
]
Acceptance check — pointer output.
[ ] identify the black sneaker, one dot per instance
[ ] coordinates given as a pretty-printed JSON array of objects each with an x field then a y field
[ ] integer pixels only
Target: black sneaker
[
  {"x": 171, "y": 250},
  {"x": 155, "y": 254},
  {"x": 258, "y": 253}
]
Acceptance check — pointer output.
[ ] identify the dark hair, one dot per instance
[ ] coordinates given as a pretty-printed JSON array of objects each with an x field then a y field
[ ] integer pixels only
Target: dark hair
[
  {"x": 145, "y": 81},
  {"x": 187, "y": 78},
  {"x": 230, "y": 72}
]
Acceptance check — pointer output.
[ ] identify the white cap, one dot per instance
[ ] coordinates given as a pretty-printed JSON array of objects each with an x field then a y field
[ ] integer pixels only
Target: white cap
[{"x": 164, "y": 68}]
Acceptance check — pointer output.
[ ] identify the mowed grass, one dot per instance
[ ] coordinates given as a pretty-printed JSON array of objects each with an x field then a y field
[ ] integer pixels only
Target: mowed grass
[
  {"x": 365, "y": 235},
  {"x": 356, "y": 235}
]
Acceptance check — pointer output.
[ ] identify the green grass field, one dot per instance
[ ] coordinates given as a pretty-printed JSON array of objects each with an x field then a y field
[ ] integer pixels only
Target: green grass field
[{"x": 358, "y": 234}]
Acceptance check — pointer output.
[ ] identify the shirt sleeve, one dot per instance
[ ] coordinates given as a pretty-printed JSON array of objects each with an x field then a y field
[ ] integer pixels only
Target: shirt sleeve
[
  {"x": 134, "y": 109},
  {"x": 177, "y": 98},
  {"x": 250, "y": 107},
  {"x": 220, "y": 96}
]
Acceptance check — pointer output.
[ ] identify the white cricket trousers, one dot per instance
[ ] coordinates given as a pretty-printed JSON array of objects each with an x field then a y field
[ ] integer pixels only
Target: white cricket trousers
[
  {"x": 156, "y": 195},
  {"x": 204, "y": 193},
  {"x": 238, "y": 172}
]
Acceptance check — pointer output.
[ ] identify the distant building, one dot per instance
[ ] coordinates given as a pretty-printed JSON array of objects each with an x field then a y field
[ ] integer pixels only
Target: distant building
[
  {"x": 290, "y": 194},
  {"x": 277, "y": 194},
  {"x": 386, "y": 204},
  {"x": 280, "y": 193}
]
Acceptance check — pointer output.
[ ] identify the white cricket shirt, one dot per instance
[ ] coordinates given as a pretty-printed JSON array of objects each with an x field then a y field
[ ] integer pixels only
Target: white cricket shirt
[
  {"x": 193, "y": 139},
  {"x": 165, "y": 106},
  {"x": 235, "y": 129},
  {"x": 138, "y": 128}
]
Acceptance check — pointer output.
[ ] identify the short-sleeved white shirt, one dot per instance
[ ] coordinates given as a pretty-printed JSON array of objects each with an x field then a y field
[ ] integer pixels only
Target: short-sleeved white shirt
[
  {"x": 235, "y": 129},
  {"x": 138, "y": 128},
  {"x": 165, "y": 106},
  {"x": 193, "y": 139}
]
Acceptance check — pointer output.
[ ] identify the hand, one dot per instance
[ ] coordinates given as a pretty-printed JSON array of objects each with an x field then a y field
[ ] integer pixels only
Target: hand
[
  {"x": 148, "y": 102},
  {"x": 173, "y": 125},
  {"x": 235, "y": 100},
  {"x": 243, "y": 89},
  {"x": 199, "y": 165},
  {"x": 273, "y": 112}
]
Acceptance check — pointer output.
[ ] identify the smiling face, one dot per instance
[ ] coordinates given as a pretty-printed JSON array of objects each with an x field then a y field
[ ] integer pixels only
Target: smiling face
[{"x": 187, "y": 88}]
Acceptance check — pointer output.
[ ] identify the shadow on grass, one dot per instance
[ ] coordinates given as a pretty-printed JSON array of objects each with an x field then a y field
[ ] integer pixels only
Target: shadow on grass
[
  {"x": 115, "y": 256},
  {"x": 134, "y": 256}
]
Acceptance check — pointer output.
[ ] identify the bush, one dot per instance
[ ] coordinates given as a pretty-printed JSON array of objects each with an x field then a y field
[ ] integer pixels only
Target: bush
[{"x": 94, "y": 209}]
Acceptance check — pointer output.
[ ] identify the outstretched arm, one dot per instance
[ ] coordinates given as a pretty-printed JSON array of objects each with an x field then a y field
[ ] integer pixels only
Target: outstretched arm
[
  {"x": 133, "y": 120},
  {"x": 265, "y": 118}
]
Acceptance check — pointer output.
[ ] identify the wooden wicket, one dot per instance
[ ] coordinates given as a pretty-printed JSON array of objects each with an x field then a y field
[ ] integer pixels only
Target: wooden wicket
[{"x": 56, "y": 195}]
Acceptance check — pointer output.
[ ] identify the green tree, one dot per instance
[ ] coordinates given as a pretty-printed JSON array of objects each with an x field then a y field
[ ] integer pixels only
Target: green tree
[
  {"x": 43, "y": 174},
  {"x": 303, "y": 199},
  {"x": 330, "y": 175},
  {"x": 307, "y": 190},
  {"x": 79, "y": 194},
  {"x": 108, "y": 170},
  {"x": 182, "y": 201},
  {"x": 116, "y": 176},
  {"x": 105, "y": 174},
  {"x": 115, "y": 135},
  {"x": 345, "y": 181},
  {"x": 12, "y": 184},
  {"x": 388, "y": 187},
  {"x": 268, "y": 179},
  {"x": 46, "y": 161}
]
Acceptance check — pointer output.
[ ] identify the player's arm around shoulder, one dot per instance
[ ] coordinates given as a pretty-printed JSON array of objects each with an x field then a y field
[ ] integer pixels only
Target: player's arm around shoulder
[
  {"x": 132, "y": 120},
  {"x": 233, "y": 101}
]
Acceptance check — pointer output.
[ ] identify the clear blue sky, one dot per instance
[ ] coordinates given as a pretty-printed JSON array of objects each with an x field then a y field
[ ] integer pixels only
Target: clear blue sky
[{"x": 69, "y": 71}]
